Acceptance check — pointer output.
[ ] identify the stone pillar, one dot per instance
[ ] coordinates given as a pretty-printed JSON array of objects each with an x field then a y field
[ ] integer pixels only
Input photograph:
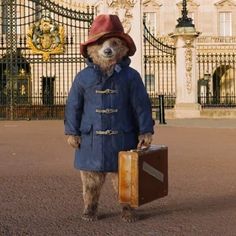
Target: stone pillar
[
  {"x": 186, "y": 80},
  {"x": 130, "y": 15}
]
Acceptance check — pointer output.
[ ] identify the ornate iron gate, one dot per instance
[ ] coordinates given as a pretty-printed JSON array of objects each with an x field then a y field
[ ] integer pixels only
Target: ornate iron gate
[
  {"x": 159, "y": 69},
  {"x": 39, "y": 56},
  {"x": 217, "y": 84}
]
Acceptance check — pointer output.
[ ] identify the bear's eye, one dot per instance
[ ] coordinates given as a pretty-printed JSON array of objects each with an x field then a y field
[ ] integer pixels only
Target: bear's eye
[
  {"x": 114, "y": 43},
  {"x": 99, "y": 41}
]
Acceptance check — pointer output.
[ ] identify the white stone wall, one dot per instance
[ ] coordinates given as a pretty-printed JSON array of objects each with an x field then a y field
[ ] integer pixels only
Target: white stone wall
[{"x": 205, "y": 14}]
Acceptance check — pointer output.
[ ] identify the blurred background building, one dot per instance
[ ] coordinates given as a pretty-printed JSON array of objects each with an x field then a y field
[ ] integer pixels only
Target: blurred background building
[{"x": 39, "y": 52}]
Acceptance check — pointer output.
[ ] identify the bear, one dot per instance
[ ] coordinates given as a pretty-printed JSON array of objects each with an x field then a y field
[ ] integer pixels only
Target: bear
[{"x": 108, "y": 110}]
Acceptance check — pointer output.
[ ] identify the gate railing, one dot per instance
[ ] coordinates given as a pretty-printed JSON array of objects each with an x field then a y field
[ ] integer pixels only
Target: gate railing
[
  {"x": 169, "y": 100},
  {"x": 217, "y": 78},
  {"x": 224, "y": 101},
  {"x": 30, "y": 86},
  {"x": 159, "y": 68}
]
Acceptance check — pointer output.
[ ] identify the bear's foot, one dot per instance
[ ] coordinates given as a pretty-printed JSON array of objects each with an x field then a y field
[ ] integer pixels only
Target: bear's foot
[
  {"x": 128, "y": 214},
  {"x": 90, "y": 214}
]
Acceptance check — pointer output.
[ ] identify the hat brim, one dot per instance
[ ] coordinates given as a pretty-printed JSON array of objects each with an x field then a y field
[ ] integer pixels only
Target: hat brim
[{"x": 129, "y": 41}]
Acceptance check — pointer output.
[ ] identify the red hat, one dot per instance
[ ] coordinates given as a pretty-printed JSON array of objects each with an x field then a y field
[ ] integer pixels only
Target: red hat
[{"x": 107, "y": 26}]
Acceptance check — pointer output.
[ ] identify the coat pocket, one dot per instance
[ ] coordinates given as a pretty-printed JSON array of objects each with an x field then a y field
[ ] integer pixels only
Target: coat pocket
[
  {"x": 86, "y": 135},
  {"x": 125, "y": 140},
  {"x": 85, "y": 128}
]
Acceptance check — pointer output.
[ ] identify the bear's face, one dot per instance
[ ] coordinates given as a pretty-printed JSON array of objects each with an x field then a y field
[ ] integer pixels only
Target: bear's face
[{"x": 108, "y": 52}]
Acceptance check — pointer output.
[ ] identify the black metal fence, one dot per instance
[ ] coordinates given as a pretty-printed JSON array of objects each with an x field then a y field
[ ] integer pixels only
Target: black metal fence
[
  {"x": 159, "y": 69},
  {"x": 39, "y": 56},
  {"x": 227, "y": 101},
  {"x": 36, "y": 110},
  {"x": 159, "y": 103},
  {"x": 169, "y": 100},
  {"x": 217, "y": 79}
]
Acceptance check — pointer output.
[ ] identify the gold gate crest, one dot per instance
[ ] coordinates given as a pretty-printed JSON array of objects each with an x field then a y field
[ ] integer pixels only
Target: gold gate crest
[{"x": 46, "y": 37}]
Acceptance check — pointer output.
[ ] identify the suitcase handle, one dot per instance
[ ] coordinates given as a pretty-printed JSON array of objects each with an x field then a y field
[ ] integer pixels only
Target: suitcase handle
[
  {"x": 147, "y": 148},
  {"x": 140, "y": 149}
]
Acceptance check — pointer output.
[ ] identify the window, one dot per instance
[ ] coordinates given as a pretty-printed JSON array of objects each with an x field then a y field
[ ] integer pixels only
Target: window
[
  {"x": 151, "y": 22},
  {"x": 225, "y": 23},
  {"x": 48, "y": 90},
  {"x": 150, "y": 83}
]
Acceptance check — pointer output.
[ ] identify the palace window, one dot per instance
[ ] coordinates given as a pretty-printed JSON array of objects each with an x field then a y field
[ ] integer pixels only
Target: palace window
[
  {"x": 151, "y": 22},
  {"x": 150, "y": 83},
  {"x": 48, "y": 90},
  {"x": 225, "y": 24}
]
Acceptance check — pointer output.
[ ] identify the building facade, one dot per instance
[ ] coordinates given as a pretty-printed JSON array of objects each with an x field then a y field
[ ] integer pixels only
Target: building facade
[
  {"x": 215, "y": 45},
  {"x": 38, "y": 64}
]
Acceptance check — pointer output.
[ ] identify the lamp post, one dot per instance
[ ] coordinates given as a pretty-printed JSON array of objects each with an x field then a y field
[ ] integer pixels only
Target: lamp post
[
  {"x": 184, "y": 36},
  {"x": 185, "y": 21}
]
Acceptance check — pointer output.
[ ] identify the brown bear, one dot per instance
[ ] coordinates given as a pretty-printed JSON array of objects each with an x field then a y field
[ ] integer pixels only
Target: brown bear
[{"x": 107, "y": 111}]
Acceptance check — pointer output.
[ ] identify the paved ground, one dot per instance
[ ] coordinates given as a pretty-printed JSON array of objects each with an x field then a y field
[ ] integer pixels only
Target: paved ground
[
  {"x": 40, "y": 192},
  {"x": 203, "y": 123}
]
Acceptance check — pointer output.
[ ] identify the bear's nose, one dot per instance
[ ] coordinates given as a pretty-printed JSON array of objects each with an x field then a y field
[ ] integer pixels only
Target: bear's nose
[{"x": 108, "y": 51}]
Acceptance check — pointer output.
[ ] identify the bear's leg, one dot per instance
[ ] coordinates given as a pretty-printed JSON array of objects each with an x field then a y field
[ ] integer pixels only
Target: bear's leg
[
  {"x": 128, "y": 213},
  {"x": 92, "y": 185}
]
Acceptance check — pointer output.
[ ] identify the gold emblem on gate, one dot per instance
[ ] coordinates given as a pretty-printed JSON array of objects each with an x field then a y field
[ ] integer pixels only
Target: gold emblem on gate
[{"x": 46, "y": 37}]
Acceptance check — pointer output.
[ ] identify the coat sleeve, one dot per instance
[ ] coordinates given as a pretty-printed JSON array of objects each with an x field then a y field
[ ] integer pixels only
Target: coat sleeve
[
  {"x": 141, "y": 105},
  {"x": 74, "y": 109}
]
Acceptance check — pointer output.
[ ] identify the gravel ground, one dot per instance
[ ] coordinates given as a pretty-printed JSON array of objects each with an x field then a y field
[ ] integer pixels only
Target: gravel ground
[{"x": 40, "y": 191}]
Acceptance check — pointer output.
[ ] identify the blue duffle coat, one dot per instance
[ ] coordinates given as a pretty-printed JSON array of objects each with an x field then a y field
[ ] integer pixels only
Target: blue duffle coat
[{"x": 108, "y": 113}]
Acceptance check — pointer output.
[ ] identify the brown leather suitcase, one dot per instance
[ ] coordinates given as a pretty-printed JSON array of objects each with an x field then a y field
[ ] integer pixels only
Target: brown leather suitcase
[{"x": 143, "y": 175}]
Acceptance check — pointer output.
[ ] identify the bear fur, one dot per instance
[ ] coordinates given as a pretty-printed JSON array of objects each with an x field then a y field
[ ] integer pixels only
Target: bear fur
[
  {"x": 108, "y": 53},
  {"x": 105, "y": 53}
]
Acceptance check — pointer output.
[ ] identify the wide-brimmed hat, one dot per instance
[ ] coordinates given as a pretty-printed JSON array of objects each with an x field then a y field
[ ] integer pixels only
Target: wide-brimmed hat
[{"x": 107, "y": 26}]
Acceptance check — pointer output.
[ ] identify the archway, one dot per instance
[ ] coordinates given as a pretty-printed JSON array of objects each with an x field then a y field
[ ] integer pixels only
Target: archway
[
  {"x": 221, "y": 83},
  {"x": 15, "y": 80}
]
